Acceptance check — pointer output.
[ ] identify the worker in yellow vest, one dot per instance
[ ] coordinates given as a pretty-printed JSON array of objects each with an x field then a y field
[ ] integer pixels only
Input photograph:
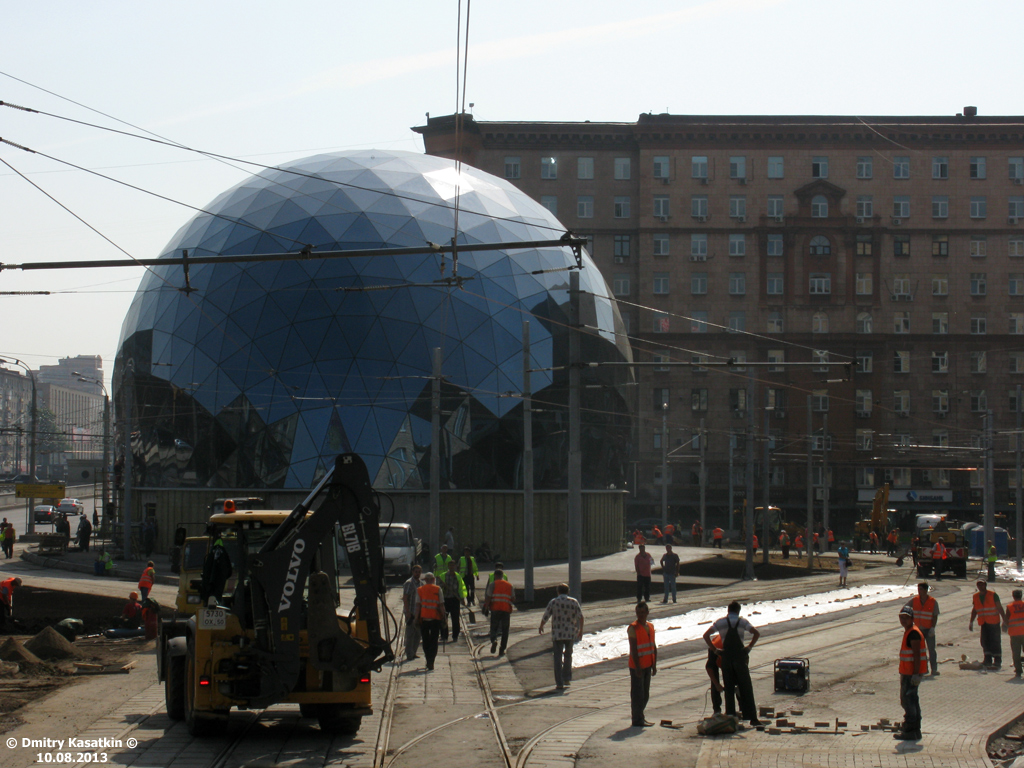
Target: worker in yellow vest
[
  {"x": 990, "y": 615},
  {"x": 431, "y": 617},
  {"x": 499, "y": 599},
  {"x": 469, "y": 573},
  {"x": 913, "y": 664},
  {"x": 643, "y": 664},
  {"x": 926, "y": 616},
  {"x": 441, "y": 560},
  {"x": 992, "y": 559},
  {"x": 454, "y": 597},
  {"x": 1015, "y": 626}
]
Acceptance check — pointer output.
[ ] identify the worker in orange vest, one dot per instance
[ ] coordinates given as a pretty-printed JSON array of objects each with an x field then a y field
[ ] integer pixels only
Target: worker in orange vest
[
  {"x": 7, "y": 587},
  {"x": 643, "y": 664},
  {"x": 939, "y": 556},
  {"x": 873, "y": 539},
  {"x": 716, "y": 535},
  {"x": 831, "y": 539},
  {"x": 499, "y": 599},
  {"x": 913, "y": 664},
  {"x": 1015, "y": 626},
  {"x": 990, "y": 615},
  {"x": 670, "y": 532},
  {"x": 431, "y": 617},
  {"x": 147, "y": 579},
  {"x": 926, "y": 616},
  {"x": 638, "y": 537},
  {"x": 784, "y": 544},
  {"x": 756, "y": 544},
  {"x": 799, "y": 544},
  {"x": 712, "y": 667},
  {"x": 697, "y": 533},
  {"x": 891, "y": 538},
  {"x": 656, "y": 534}
]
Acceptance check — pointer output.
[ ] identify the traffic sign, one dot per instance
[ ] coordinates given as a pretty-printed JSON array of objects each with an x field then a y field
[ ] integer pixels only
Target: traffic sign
[{"x": 38, "y": 491}]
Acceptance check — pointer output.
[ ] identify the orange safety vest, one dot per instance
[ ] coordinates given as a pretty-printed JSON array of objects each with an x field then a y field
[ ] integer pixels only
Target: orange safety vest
[
  {"x": 1015, "y": 612},
  {"x": 7, "y": 591},
  {"x": 923, "y": 612},
  {"x": 939, "y": 551},
  {"x": 670, "y": 529},
  {"x": 695, "y": 529},
  {"x": 891, "y": 537},
  {"x": 784, "y": 539},
  {"x": 756, "y": 545},
  {"x": 815, "y": 537},
  {"x": 146, "y": 580},
  {"x": 501, "y": 597},
  {"x": 638, "y": 538},
  {"x": 717, "y": 533},
  {"x": 874, "y": 537},
  {"x": 430, "y": 602},
  {"x": 799, "y": 542},
  {"x": 907, "y": 654},
  {"x": 644, "y": 645},
  {"x": 718, "y": 643},
  {"x": 656, "y": 532},
  {"x": 986, "y": 612},
  {"x": 831, "y": 536}
]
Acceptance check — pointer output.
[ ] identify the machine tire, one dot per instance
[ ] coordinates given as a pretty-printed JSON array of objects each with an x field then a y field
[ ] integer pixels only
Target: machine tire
[
  {"x": 199, "y": 724},
  {"x": 174, "y": 688},
  {"x": 308, "y": 711},
  {"x": 922, "y": 572},
  {"x": 333, "y": 719},
  {"x": 961, "y": 571}
]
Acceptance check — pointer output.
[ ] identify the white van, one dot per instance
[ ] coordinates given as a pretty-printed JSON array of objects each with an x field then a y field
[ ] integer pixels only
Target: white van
[{"x": 401, "y": 549}]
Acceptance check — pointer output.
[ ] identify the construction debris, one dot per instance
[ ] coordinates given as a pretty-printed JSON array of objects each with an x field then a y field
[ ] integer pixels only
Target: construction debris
[{"x": 48, "y": 645}]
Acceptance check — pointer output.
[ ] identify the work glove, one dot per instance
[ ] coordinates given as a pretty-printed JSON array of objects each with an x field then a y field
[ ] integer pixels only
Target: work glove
[{"x": 915, "y": 680}]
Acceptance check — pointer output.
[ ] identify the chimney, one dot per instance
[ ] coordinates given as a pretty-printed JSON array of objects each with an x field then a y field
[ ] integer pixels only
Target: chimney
[{"x": 970, "y": 111}]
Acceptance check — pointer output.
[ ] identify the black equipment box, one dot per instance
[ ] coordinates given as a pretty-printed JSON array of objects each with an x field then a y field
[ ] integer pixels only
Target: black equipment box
[{"x": 792, "y": 675}]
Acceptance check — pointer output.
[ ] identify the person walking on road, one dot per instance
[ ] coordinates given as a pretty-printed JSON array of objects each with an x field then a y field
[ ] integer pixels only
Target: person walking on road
[
  {"x": 449, "y": 538},
  {"x": 992, "y": 558},
  {"x": 735, "y": 661},
  {"x": 566, "y": 630},
  {"x": 939, "y": 555},
  {"x": 146, "y": 580},
  {"x": 431, "y": 617},
  {"x": 454, "y": 597},
  {"x": 669, "y": 571},
  {"x": 696, "y": 533},
  {"x": 469, "y": 573},
  {"x": 926, "y": 616},
  {"x": 7, "y": 587},
  {"x": 784, "y": 545},
  {"x": 499, "y": 599},
  {"x": 441, "y": 560},
  {"x": 844, "y": 563},
  {"x": 716, "y": 536},
  {"x": 642, "y": 565},
  {"x": 84, "y": 532},
  {"x": 643, "y": 664},
  {"x": 990, "y": 615},
  {"x": 1015, "y": 626},
  {"x": 913, "y": 665},
  {"x": 798, "y": 543},
  {"x": 411, "y": 612}
]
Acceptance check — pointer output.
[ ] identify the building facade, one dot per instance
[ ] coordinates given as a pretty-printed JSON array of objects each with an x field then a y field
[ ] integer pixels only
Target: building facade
[
  {"x": 871, "y": 269},
  {"x": 15, "y": 421}
]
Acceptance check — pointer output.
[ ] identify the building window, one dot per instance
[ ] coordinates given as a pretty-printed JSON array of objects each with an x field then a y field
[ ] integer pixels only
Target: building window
[
  {"x": 621, "y": 247},
  {"x": 820, "y": 283},
  {"x": 776, "y": 358},
  {"x": 777, "y": 325},
  {"x": 1015, "y": 283},
  {"x": 940, "y": 167},
  {"x": 775, "y": 168},
  {"x": 620, "y": 285},
  {"x": 901, "y": 207},
  {"x": 738, "y": 356},
  {"x": 979, "y": 361},
  {"x": 820, "y": 246},
  {"x": 865, "y": 245},
  {"x": 699, "y": 247},
  {"x": 901, "y": 245},
  {"x": 864, "y": 206},
  {"x": 549, "y": 167},
  {"x": 940, "y": 245},
  {"x": 738, "y": 400},
  {"x": 819, "y": 167},
  {"x": 661, "y": 208},
  {"x": 737, "y": 321},
  {"x": 979, "y": 246},
  {"x": 584, "y": 167},
  {"x": 1015, "y": 247},
  {"x": 1016, "y": 167},
  {"x": 819, "y": 403},
  {"x": 698, "y": 399},
  {"x": 737, "y": 245},
  {"x": 738, "y": 207},
  {"x": 699, "y": 167},
  {"x": 940, "y": 207},
  {"x": 1016, "y": 362},
  {"x": 1016, "y": 327},
  {"x": 699, "y": 207},
  {"x": 865, "y": 477},
  {"x": 1015, "y": 208},
  {"x": 901, "y": 167},
  {"x": 660, "y": 168},
  {"x": 622, "y": 169},
  {"x": 901, "y": 322},
  {"x": 660, "y": 398},
  {"x": 661, "y": 245},
  {"x": 864, "y": 167},
  {"x": 737, "y": 283},
  {"x": 940, "y": 362},
  {"x": 865, "y": 362},
  {"x": 699, "y": 321},
  {"x": 979, "y": 401},
  {"x": 979, "y": 283},
  {"x": 774, "y": 247},
  {"x": 660, "y": 283},
  {"x": 940, "y": 284},
  {"x": 977, "y": 167},
  {"x": 819, "y": 324},
  {"x": 775, "y": 283},
  {"x": 940, "y": 400},
  {"x": 863, "y": 401},
  {"x": 699, "y": 283},
  {"x": 864, "y": 322},
  {"x": 585, "y": 207},
  {"x": 979, "y": 325},
  {"x": 775, "y": 206},
  {"x": 901, "y": 285},
  {"x": 979, "y": 207},
  {"x": 864, "y": 284},
  {"x": 550, "y": 202},
  {"x": 662, "y": 323},
  {"x": 901, "y": 401},
  {"x": 819, "y": 207},
  {"x": 901, "y": 361},
  {"x": 738, "y": 167},
  {"x": 511, "y": 167},
  {"x": 940, "y": 323},
  {"x": 621, "y": 209}
]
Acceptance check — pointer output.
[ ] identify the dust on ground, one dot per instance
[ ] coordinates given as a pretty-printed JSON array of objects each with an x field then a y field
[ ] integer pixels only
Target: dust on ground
[{"x": 37, "y": 609}]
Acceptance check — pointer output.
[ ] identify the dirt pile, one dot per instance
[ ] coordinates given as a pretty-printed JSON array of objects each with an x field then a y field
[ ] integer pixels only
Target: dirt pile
[
  {"x": 50, "y": 646},
  {"x": 13, "y": 650}
]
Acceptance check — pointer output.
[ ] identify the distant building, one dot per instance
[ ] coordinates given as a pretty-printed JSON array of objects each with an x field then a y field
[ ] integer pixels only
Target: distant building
[
  {"x": 893, "y": 243},
  {"x": 15, "y": 421}
]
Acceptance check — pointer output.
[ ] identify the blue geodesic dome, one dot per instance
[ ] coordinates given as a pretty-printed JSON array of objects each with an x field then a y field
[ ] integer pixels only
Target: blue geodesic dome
[{"x": 264, "y": 371}]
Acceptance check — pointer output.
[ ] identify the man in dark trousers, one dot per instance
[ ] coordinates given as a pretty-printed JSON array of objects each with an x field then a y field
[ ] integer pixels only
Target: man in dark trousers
[
  {"x": 735, "y": 659},
  {"x": 643, "y": 664},
  {"x": 913, "y": 664},
  {"x": 431, "y": 617},
  {"x": 990, "y": 614}
]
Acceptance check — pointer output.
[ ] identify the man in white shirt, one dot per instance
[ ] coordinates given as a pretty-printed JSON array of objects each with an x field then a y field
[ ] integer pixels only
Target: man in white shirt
[
  {"x": 735, "y": 656},
  {"x": 566, "y": 628}
]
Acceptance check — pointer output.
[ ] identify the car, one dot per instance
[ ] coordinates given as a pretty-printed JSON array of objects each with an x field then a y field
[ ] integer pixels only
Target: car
[
  {"x": 71, "y": 507},
  {"x": 401, "y": 549},
  {"x": 44, "y": 513}
]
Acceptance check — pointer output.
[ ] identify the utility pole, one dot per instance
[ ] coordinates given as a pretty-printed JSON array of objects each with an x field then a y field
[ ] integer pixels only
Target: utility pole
[
  {"x": 435, "y": 455},
  {"x": 574, "y": 502},
  {"x": 1017, "y": 484},
  {"x": 126, "y": 513},
  {"x": 748, "y": 517},
  {"x": 527, "y": 468},
  {"x": 989, "y": 504},
  {"x": 824, "y": 473},
  {"x": 732, "y": 490},
  {"x": 664, "y": 465},
  {"x": 766, "y": 476},
  {"x": 704, "y": 479},
  {"x": 808, "y": 537}
]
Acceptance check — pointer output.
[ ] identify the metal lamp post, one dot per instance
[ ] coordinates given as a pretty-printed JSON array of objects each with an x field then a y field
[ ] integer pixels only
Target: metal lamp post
[{"x": 106, "y": 437}]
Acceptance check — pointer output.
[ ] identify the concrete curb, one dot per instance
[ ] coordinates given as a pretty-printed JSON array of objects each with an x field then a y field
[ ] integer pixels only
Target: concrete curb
[{"x": 64, "y": 565}]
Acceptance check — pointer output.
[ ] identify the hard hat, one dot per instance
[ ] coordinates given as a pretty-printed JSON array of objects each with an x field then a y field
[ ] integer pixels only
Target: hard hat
[
  {"x": 906, "y": 610},
  {"x": 134, "y": 595}
]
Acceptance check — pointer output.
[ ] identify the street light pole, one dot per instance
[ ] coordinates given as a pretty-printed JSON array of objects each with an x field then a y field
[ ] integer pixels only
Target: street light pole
[{"x": 106, "y": 438}]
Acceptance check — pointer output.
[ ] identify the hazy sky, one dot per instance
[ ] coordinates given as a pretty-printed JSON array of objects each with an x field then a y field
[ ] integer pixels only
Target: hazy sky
[{"x": 267, "y": 83}]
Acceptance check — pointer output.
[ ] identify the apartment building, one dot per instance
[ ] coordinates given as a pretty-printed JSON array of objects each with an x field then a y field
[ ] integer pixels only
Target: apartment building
[{"x": 871, "y": 268}]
